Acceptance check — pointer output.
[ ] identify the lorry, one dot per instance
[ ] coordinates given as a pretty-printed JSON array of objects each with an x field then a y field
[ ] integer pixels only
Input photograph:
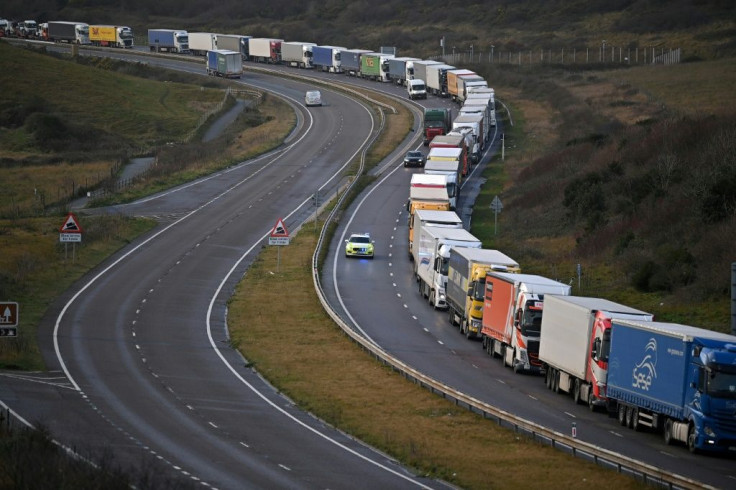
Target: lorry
[
  {"x": 448, "y": 219},
  {"x": 112, "y": 36},
  {"x": 487, "y": 100},
  {"x": 431, "y": 259},
  {"x": 224, "y": 63},
  {"x": 437, "y": 79},
  {"x": 512, "y": 317},
  {"x": 426, "y": 192},
  {"x": 446, "y": 160},
  {"x": 233, "y": 42},
  {"x": 68, "y": 32},
  {"x": 471, "y": 142},
  {"x": 452, "y": 76},
  {"x": 483, "y": 92},
  {"x": 475, "y": 123},
  {"x": 478, "y": 106},
  {"x": 416, "y": 89},
  {"x": 200, "y": 43},
  {"x": 466, "y": 284},
  {"x": 351, "y": 61},
  {"x": 466, "y": 84},
  {"x": 401, "y": 69},
  {"x": 328, "y": 58},
  {"x": 573, "y": 330},
  {"x": 420, "y": 68},
  {"x": 436, "y": 121},
  {"x": 453, "y": 140},
  {"x": 374, "y": 66},
  {"x": 28, "y": 29},
  {"x": 264, "y": 50},
  {"x": 169, "y": 40},
  {"x": 297, "y": 54},
  {"x": 677, "y": 379}
]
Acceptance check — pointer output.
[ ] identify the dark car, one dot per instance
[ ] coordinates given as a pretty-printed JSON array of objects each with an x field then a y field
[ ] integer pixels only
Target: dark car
[{"x": 414, "y": 159}]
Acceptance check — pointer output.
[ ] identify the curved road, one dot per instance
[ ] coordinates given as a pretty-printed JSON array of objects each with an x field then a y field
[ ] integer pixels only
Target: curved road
[
  {"x": 408, "y": 328},
  {"x": 143, "y": 341}
]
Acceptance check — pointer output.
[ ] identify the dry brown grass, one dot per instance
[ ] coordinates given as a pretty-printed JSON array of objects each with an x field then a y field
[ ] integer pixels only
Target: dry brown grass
[
  {"x": 30, "y": 186},
  {"x": 253, "y": 141},
  {"x": 694, "y": 88},
  {"x": 324, "y": 372}
]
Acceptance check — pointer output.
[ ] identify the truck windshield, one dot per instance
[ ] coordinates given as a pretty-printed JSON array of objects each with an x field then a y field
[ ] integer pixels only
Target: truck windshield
[
  {"x": 183, "y": 39},
  {"x": 531, "y": 324},
  {"x": 479, "y": 288},
  {"x": 722, "y": 384},
  {"x": 337, "y": 56},
  {"x": 451, "y": 190}
]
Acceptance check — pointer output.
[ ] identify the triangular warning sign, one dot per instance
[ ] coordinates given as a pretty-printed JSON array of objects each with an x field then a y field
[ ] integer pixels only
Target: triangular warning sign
[
  {"x": 71, "y": 225},
  {"x": 279, "y": 229}
]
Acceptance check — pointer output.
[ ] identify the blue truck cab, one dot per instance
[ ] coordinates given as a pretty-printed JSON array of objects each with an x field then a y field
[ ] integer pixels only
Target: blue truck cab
[{"x": 677, "y": 379}]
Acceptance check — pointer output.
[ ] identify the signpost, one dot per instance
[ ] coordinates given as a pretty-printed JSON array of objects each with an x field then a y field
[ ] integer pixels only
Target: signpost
[
  {"x": 8, "y": 319},
  {"x": 279, "y": 236},
  {"x": 70, "y": 232},
  {"x": 496, "y": 206}
]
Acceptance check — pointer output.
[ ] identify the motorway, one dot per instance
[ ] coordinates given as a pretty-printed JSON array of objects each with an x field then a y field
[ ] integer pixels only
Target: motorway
[
  {"x": 140, "y": 364},
  {"x": 146, "y": 346}
]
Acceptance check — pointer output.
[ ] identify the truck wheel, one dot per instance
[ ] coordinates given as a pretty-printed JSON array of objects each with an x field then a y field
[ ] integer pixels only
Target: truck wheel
[
  {"x": 576, "y": 391},
  {"x": 516, "y": 366},
  {"x": 668, "y": 432},
  {"x": 548, "y": 377},
  {"x": 622, "y": 414},
  {"x": 635, "y": 419},
  {"x": 630, "y": 417},
  {"x": 691, "y": 439}
]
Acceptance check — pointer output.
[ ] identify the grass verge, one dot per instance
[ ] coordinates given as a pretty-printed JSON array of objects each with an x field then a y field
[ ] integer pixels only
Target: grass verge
[{"x": 317, "y": 366}]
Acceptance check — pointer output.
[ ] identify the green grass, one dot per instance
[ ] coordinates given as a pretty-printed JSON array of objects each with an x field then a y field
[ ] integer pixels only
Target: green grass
[
  {"x": 35, "y": 269},
  {"x": 140, "y": 112},
  {"x": 319, "y": 368}
]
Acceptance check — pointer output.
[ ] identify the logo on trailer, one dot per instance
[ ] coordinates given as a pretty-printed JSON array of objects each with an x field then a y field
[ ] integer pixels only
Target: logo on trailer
[{"x": 645, "y": 372}]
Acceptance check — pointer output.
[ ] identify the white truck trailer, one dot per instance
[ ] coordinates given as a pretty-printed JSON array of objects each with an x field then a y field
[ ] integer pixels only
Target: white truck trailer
[
  {"x": 574, "y": 332},
  {"x": 431, "y": 259},
  {"x": 297, "y": 54}
]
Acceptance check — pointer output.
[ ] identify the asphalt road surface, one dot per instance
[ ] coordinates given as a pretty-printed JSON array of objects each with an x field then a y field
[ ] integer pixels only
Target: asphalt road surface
[{"x": 138, "y": 351}]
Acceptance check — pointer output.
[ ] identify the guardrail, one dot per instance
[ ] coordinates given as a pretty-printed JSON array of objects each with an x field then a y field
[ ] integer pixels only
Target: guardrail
[{"x": 646, "y": 473}]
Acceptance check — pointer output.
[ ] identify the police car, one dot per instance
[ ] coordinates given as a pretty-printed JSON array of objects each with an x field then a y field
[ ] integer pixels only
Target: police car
[{"x": 359, "y": 245}]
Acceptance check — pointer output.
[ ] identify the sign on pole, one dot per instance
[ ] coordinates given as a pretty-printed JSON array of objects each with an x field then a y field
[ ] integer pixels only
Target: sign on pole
[
  {"x": 8, "y": 319},
  {"x": 70, "y": 232},
  {"x": 496, "y": 206},
  {"x": 279, "y": 234}
]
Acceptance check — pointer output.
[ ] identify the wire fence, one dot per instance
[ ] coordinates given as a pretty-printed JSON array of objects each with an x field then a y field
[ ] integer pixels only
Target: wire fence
[{"x": 565, "y": 56}]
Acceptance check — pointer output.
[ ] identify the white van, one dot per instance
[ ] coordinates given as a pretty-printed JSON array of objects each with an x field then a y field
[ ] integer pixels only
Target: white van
[
  {"x": 416, "y": 88},
  {"x": 313, "y": 97}
]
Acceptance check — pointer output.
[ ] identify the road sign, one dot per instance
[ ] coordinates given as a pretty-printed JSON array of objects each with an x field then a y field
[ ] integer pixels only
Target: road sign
[
  {"x": 71, "y": 225},
  {"x": 279, "y": 229},
  {"x": 278, "y": 240},
  {"x": 279, "y": 234},
  {"x": 70, "y": 237},
  {"x": 8, "y": 319},
  {"x": 496, "y": 205}
]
